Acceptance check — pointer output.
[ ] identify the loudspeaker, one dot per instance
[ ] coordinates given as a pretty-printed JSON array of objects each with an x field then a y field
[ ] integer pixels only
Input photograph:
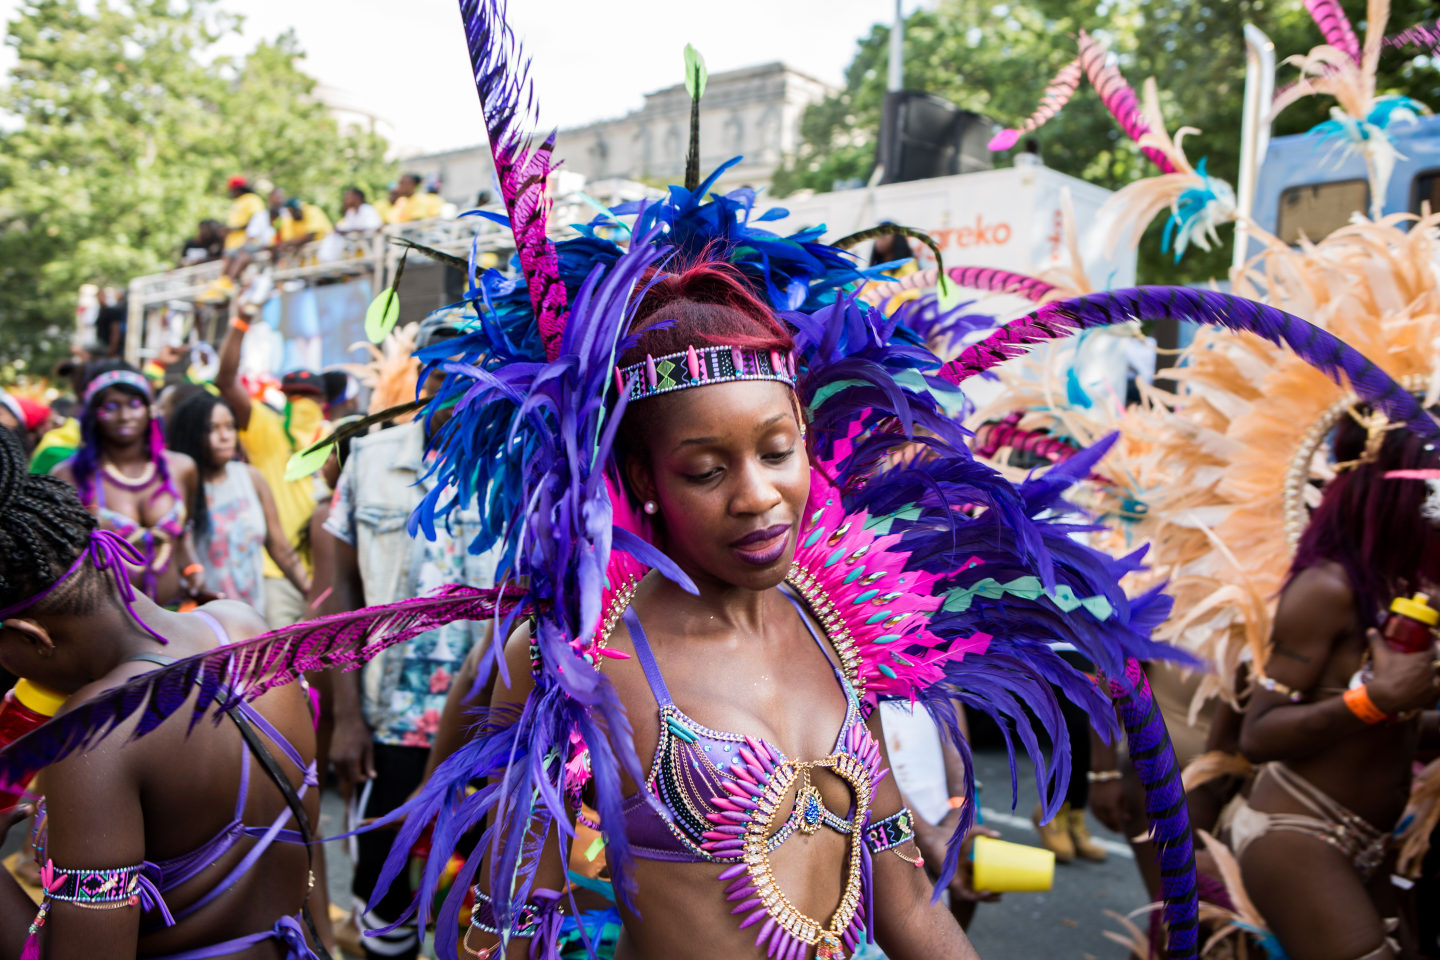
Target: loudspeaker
[{"x": 923, "y": 136}]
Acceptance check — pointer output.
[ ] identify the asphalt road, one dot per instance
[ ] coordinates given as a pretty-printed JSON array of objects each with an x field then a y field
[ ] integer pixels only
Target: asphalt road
[{"x": 1066, "y": 923}]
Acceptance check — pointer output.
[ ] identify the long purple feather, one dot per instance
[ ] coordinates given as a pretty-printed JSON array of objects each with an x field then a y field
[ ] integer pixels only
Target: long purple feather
[
  {"x": 250, "y": 668},
  {"x": 1322, "y": 350},
  {"x": 1154, "y": 760},
  {"x": 508, "y": 98}
]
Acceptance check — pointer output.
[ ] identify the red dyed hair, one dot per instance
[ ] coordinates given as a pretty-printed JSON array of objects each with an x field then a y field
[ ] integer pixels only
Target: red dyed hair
[
  {"x": 709, "y": 304},
  {"x": 1373, "y": 526}
]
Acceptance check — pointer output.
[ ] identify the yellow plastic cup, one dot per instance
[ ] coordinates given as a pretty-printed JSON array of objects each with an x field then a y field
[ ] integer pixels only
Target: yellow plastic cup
[{"x": 1004, "y": 867}]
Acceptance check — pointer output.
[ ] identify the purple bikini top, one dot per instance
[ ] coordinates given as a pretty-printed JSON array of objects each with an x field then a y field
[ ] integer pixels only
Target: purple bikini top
[
  {"x": 166, "y": 875},
  {"x": 691, "y": 765}
]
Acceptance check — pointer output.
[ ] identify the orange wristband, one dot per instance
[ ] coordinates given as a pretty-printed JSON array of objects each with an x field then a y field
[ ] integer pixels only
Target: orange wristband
[
  {"x": 242, "y": 325},
  {"x": 193, "y": 568},
  {"x": 1360, "y": 704},
  {"x": 956, "y": 802}
]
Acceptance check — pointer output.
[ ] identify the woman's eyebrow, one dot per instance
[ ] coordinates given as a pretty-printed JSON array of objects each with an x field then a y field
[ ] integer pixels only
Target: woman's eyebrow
[{"x": 704, "y": 441}]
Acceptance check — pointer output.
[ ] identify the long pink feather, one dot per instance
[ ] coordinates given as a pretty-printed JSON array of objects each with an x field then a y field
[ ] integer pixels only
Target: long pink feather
[
  {"x": 1426, "y": 34},
  {"x": 1330, "y": 17},
  {"x": 502, "y": 78},
  {"x": 1001, "y": 281},
  {"x": 1058, "y": 93},
  {"x": 250, "y": 667},
  {"x": 1118, "y": 97}
]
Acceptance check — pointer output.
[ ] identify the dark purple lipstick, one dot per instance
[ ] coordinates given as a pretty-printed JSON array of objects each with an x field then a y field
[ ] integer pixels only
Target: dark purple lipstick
[{"x": 763, "y": 547}]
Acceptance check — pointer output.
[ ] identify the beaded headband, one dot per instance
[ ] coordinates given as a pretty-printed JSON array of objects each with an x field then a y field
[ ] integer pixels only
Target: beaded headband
[
  {"x": 111, "y": 378},
  {"x": 702, "y": 367}
]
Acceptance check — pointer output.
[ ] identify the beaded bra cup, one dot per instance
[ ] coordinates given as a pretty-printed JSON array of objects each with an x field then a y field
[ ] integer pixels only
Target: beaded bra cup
[{"x": 726, "y": 796}]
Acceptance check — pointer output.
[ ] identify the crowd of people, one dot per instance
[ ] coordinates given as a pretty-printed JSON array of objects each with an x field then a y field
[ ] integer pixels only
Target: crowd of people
[
  {"x": 264, "y": 218},
  {"x": 648, "y": 613}
]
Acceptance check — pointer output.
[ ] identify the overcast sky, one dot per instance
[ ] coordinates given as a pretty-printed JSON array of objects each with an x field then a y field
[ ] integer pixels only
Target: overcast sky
[{"x": 592, "y": 59}]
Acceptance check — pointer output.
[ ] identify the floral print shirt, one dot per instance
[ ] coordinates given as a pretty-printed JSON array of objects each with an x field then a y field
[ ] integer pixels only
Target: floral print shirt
[{"x": 405, "y": 688}]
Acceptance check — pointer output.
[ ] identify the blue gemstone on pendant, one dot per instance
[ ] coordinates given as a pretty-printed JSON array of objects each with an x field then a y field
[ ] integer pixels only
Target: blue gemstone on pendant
[{"x": 812, "y": 810}]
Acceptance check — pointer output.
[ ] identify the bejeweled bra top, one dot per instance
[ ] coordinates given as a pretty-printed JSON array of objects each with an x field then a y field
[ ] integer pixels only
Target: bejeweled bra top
[{"x": 698, "y": 772}]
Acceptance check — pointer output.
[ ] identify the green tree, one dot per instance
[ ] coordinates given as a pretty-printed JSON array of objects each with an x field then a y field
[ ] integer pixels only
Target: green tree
[
  {"x": 996, "y": 59},
  {"x": 129, "y": 123}
]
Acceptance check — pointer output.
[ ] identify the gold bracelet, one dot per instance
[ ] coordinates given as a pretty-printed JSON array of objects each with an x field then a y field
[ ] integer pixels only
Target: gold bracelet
[
  {"x": 917, "y": 861},
  {"x": 1103, "y": 776}
]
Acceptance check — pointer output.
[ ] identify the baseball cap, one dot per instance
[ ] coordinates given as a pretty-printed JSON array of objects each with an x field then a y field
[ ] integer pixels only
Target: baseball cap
[
  {"x": 238, "y": 181},
  {"x": 35, "y": 413},
  {"x": 303, "y": 381}
]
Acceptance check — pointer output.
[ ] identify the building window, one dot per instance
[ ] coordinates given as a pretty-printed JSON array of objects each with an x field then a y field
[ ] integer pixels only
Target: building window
[
  {"x": 599, "y": 158},
  {"x": 735, "y": 132},
  {"x": 1317, "y": 209},
  {"x": 1425, "y": 188}
]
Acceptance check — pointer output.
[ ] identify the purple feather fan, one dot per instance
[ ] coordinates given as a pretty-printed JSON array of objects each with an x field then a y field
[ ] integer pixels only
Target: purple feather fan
[{"x": 1322, "y": 350}]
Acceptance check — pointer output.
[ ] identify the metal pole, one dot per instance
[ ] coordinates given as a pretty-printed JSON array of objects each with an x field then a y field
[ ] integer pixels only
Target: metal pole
[
  {"x": 1254, "y": 133},
  {"x": 895, "y": 77}
]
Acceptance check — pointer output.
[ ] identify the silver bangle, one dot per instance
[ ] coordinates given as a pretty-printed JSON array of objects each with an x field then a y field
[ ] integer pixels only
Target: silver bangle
[{"x": 1103, "y": 776}]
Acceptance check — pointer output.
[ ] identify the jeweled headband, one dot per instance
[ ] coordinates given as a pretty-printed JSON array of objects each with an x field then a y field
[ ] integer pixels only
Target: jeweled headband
[
  {"x": 111, "y": 378},
  {"x": 701, "y": 367}
]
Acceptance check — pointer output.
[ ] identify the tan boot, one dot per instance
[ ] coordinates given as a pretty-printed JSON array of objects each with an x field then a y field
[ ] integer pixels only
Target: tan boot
[
  {"x": 1055, "y": 835},
  {"x": 1085, "y": 844}
]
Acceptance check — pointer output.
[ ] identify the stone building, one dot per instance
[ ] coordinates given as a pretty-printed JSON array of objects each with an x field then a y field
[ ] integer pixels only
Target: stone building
[{"x": 753, "y": 111}]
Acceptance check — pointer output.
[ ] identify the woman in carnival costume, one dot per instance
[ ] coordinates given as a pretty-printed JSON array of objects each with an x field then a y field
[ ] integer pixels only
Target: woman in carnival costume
[
  {"x": 136, "y": 487},
  {"x": 1230, "y": 468},
  {"x": 829, "y": 560},
  {"x": 141, "y": 855}
]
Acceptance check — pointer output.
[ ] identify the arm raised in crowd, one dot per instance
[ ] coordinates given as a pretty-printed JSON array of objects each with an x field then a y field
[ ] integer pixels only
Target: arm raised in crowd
[{"x": 227, "y": 378}]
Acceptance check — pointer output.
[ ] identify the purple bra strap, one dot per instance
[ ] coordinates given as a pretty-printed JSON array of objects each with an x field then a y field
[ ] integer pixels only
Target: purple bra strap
[
  {"x": 287, "y": 930},
  {"x": 647, "y": 659},
  {"x": 256, "y": 852},
  {"x": 215, "y": 627}
]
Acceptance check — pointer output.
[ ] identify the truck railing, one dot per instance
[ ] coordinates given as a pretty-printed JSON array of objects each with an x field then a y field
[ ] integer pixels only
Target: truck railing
[{"x": 372, "y": 254}]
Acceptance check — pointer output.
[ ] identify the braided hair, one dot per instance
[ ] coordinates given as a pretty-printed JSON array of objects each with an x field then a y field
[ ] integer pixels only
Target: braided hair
[{"x": 45, "y": 528}]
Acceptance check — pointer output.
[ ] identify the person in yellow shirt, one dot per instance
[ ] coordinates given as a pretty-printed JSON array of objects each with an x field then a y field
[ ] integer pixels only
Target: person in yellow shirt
[
  {"x": 410, "y": 203},
  {"x": 304, "y": 224},
  {"x": 268, "y": 438},
  {"x": 248, "y": 231}
]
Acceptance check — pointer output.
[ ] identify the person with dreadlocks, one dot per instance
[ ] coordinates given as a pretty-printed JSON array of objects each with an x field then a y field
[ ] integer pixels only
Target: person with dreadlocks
[
  {"x": 133, "y": 485},
  {"x": 1335, "y": 719},
  {"x": 188, "y": 844}
]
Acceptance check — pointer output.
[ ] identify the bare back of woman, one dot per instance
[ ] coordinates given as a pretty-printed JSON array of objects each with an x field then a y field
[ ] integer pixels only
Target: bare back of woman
[{"x": 195, "y": 802}]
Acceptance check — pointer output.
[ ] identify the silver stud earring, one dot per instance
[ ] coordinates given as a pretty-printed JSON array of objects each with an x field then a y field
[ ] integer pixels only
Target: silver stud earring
[{"x": 651, "y": 506}]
